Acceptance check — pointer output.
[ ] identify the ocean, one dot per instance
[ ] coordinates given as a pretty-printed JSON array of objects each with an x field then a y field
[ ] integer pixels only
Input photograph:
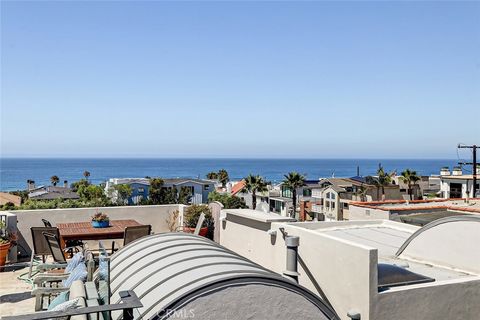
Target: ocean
[{"x": 14, "y": 172}]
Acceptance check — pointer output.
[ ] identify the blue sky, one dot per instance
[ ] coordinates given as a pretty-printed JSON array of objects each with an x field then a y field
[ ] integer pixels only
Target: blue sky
[{"x": 231, "y": 79}]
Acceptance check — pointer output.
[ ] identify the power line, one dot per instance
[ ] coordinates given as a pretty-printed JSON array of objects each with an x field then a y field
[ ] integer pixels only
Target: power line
[{"x": 473, "y": 164}]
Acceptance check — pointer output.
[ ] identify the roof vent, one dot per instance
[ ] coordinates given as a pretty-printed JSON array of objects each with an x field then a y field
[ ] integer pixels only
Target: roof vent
[
  {"x": 457, "y": 171},
  {"x": 445, "y": 171}
]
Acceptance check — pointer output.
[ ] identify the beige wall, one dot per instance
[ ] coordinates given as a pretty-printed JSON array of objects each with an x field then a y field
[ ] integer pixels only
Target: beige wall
[
  {"x": 362, "y": 213},
  {"x": 441, "y": 245},
  {"x": 156, "y": 216},
  {"x": 431, "y": 301}
]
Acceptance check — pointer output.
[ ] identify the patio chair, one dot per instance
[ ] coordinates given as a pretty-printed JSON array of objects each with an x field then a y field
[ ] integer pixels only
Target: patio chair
[
  {"x": 41, "y": 247},
  {"x": 48, "y": 285},
  {"x": 73, "y": 244},
  {"x": 133, "y": 233}
]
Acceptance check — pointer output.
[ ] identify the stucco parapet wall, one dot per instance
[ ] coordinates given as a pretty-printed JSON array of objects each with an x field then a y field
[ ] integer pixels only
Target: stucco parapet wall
[{"x": 257, "y": 215}]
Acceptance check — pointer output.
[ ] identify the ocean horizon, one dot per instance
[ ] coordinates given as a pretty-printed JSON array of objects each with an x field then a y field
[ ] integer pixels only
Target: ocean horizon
[{"x": 14, "y": 172}]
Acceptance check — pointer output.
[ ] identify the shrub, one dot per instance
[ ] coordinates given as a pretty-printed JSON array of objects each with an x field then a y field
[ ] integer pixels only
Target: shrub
[{"x": 192, "y": 214}]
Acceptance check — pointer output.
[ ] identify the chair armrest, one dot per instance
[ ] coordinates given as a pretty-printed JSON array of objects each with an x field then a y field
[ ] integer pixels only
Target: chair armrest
[
  {"x": 50, "y": 266},
  {"x": 49, "y": 278},
  {"x": 43, "y": 291}
]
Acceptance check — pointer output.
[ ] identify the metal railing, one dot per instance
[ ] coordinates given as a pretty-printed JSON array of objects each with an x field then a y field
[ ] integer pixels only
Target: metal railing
[{"x": 128, "y": 302}]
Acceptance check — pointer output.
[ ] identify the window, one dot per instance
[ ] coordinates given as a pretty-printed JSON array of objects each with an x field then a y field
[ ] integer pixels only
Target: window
[
  {"x": 141, "y": 190},
  {"x": 206, "y": 187},
  {"x": 333, "y": 206},
  {"x": 332, "y": 195},
  {"x": 345, "y": 206},
  {"x": 286, "y": 192},
  {"x": 307, "y": 192}
]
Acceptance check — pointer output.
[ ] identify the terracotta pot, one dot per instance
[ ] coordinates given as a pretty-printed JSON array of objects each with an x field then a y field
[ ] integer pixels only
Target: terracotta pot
[
  {"x": 4, "y": 252},
  {"x": 203, "y": 231}
]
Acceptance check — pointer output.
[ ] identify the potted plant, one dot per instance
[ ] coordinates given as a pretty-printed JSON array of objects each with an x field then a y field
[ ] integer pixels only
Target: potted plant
[
  {"x": 7, "y": 240},
  {"x": 191, "y": 216},
  {"x": 100, "y": 220}
]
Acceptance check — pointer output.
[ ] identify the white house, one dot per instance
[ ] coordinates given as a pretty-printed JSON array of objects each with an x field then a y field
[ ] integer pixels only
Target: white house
[{"x": 455, "y": 184}]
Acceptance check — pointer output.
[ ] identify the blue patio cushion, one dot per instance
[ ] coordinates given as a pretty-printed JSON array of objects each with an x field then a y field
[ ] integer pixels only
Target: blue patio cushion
[
  {"x": 73, "y": 263},
  {"x": 79, "y": 273},
  {"x": 61, "y": 298}
]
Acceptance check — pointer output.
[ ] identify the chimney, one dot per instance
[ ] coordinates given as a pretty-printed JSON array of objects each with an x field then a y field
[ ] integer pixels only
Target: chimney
[
  {"x": 30, "y": 185},
  {"x": 65, "y": 184},
  {"x": 457, "y": 171},
  {"x": 445, "y": 171}
]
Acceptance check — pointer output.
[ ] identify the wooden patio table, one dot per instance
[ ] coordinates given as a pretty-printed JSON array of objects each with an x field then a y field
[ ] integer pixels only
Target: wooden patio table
[{"x": 85, "y": 231}]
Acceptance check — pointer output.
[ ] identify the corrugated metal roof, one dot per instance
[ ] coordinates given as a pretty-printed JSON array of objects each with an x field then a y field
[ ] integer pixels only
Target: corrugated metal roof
[{"x": 167, "y": 268}]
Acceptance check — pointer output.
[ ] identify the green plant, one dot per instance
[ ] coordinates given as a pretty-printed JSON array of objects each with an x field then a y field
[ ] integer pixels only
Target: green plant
[
  {"x": 228, "y": 201},
  {"x": 155, "y": 191},
  {"x": 192, "y": 214},
  {"x": 124, "y": 191},
  {"x": 9, "y": 206},
  {"x": 99, "y": 217},
  {"x": 7, "y": 236}
]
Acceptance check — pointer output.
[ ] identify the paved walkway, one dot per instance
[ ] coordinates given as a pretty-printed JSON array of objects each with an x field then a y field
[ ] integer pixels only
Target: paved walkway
[{"x": 15, "y": 297}]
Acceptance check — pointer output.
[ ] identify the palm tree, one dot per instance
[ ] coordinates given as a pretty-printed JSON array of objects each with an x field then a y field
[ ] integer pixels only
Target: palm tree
[
  {"x": 212, "y": 175},
  {"x": 86, "y": 174},
  {"x": 410, "y": 178},
  {"x": 54, "y": 180},
  {"x": 223, "y": 177},
  {"x": 293, "y": 181},
  {"x": 361, "y": 192},
  {"x": 254, "y": 184},
  {"x": 382, "y": 180}
]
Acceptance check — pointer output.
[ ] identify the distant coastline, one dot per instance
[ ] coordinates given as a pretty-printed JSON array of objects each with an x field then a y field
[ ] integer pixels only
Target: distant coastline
[{"x": 15, "y": 171}]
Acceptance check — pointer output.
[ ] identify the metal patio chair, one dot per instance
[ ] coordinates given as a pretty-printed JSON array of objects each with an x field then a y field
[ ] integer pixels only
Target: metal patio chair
[
  {"x": 133, "y": 233},
  {"x": 73, "y": 244}
]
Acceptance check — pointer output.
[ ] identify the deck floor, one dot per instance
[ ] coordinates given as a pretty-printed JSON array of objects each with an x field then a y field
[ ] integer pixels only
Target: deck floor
[{"x": 15, "y": 297}]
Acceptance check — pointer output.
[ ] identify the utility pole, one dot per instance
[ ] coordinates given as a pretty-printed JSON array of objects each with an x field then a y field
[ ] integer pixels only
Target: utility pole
[{"x": 473, "y": 164}]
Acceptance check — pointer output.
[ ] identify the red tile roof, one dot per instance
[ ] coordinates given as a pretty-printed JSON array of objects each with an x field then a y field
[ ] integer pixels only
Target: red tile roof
[
  {"x": 238, "y": 187},
  {"x": 376, "y": 205}
]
